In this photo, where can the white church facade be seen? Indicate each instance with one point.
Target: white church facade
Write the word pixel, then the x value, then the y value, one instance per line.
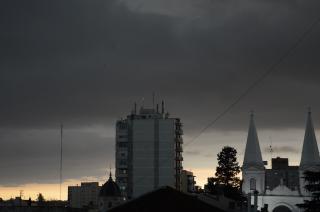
pixel 281 187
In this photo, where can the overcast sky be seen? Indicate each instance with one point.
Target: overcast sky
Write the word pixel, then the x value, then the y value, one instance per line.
pixel 85 63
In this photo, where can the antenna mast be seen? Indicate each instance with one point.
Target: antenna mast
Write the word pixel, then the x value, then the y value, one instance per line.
pixel 61 134
pixel 271 148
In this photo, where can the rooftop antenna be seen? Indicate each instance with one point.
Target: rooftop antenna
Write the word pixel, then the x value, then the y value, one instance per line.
pixel 153 97
pixel 162 108
pixel 61 134
pixel 270 148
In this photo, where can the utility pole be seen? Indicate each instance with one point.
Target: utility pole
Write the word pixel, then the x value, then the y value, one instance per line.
pixel 21 194
pixel 255 201
pixel 249 202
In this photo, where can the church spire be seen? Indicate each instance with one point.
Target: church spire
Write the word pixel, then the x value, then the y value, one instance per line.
pixel 252 157
pixel 110 173
pixel 310 152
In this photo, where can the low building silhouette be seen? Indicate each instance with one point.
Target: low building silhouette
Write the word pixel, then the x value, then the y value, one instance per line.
pixel 187 182
pixel 85 195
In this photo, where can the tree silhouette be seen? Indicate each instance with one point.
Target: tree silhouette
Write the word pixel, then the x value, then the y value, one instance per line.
pixel 313 186
pixel 226 180
pixel 228 168
pixel 40 199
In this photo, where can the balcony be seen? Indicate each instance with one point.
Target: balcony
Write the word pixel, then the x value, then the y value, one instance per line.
pixel 179 166
pixel 179 131
pixel 179 140
pixel 179 149
pixel 178 123
pixel 179 158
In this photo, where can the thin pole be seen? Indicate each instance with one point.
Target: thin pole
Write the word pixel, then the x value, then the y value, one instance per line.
pixel 61 134
pixel 271 150
pixel 153 96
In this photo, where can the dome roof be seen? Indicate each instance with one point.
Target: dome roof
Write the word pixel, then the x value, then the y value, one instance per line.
pixel 110 189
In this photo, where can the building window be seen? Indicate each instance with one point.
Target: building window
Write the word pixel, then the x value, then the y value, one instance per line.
pixel 123 162
pixel 122 125
pixel 123 144
pixel 252 184
pixel 110 205
pixel 122 180
pixel 123 171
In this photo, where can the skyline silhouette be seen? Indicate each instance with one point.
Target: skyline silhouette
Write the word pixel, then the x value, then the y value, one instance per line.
pixel 85 64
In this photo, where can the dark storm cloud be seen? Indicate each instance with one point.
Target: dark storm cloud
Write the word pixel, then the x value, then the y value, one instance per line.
pixel 86 62
pixel 32 156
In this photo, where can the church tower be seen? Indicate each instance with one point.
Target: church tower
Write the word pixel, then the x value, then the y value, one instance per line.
pixel 109 195
pixel 310 159
pixel 253 170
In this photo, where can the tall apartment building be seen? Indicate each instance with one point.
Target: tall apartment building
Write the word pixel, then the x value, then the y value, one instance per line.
pixel 148 151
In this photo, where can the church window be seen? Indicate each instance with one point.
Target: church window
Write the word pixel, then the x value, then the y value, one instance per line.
pixel 252 184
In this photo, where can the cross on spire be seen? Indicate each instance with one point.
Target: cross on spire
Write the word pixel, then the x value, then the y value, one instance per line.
pixel 251 113
pixel 110 174
pixel 309 110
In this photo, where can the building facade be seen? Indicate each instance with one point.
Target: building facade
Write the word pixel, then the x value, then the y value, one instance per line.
pixel 85 195
pixel 282 186
pixel 187 182
pixel 148 151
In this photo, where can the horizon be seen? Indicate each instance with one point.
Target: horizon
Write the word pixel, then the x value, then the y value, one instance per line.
pixel 51 190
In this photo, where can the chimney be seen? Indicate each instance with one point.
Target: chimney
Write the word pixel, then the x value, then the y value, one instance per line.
pixel 162 109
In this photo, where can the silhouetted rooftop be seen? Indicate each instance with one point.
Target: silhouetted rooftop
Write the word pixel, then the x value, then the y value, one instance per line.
pixel 166 199
pixel 110 189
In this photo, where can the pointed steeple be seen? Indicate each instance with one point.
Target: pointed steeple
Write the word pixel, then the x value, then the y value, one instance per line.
pixel 110 174
pixel 252 157
pixel 110 188
pixel 310 152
